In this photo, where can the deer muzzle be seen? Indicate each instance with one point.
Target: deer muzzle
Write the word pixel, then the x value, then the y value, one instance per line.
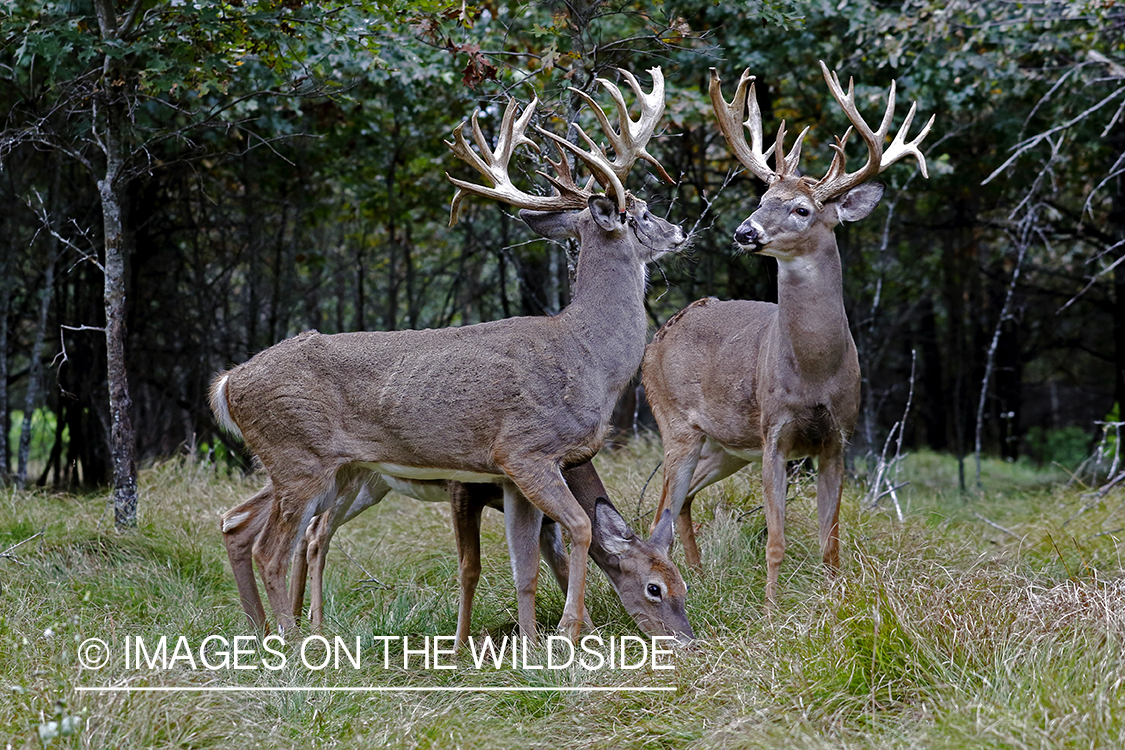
pixel 750 236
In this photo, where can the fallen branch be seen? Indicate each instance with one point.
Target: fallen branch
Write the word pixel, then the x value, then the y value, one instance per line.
pixel 998 527
pixel 7 554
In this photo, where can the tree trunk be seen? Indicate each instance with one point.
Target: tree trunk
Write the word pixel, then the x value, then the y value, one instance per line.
pixel 35 368
pixel 122 444
pixel 111 188
pixel 5 303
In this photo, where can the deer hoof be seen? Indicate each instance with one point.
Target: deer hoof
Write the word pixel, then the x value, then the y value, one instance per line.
pixel 570 627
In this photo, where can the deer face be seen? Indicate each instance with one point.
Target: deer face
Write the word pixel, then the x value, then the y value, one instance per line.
pixel 642 572
pixel 788 223
pixel 652 235
pixel 658 606
pixel 640 233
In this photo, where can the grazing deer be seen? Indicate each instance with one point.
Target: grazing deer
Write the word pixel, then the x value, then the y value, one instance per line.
pixel 642 573
pixel 511 401
pixel 730 382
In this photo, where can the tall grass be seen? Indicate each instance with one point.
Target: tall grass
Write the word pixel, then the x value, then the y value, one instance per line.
pixel 993 620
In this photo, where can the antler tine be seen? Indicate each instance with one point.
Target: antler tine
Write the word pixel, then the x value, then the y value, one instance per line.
pixel 899 148
pixel 565 180
pixel 839 159
pixel 596 160
pixel 729 116
pixel 493 165
pixel 629 142
pixel 837 181
pixel 787 163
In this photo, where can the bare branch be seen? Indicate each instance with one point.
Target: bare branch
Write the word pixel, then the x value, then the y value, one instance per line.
pixel 7 554
pixel 1095 277
pixel 998 527
pixel 1023 146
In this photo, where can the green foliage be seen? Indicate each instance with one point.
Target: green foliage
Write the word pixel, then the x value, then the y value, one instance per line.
pixel 43 428
pixel 1068 447
pixel 288 172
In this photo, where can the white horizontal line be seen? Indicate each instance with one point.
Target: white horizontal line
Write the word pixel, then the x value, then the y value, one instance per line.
pixel 406 689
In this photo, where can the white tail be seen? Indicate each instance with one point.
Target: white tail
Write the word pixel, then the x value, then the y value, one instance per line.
pixel 219 407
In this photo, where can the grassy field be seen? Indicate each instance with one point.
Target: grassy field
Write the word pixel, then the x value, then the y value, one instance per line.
pixel 993 621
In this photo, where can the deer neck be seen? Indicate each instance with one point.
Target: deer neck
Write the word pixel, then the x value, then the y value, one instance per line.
pixel 606 313
pixel 811 316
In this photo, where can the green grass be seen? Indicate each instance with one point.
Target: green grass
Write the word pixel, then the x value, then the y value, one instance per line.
pixel 993 620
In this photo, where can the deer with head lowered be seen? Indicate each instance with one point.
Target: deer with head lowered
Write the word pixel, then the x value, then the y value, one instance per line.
pixel 735 381
pixel 642 573
pixel 511 402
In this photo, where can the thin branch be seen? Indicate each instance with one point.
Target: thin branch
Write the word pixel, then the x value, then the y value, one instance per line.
pixel 875 493
pixel 1005 315
pixel 1115 171
pixel 1026 145
pixel 998 527
pixel 1095 277
pixel 641 499
pixel 7 554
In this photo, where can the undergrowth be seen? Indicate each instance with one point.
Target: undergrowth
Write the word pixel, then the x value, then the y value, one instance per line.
pixel 989 620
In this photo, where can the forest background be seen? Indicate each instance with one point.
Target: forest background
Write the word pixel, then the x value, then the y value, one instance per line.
pixel 185 184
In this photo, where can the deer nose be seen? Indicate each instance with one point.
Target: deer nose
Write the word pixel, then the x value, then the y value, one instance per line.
pixel 746 234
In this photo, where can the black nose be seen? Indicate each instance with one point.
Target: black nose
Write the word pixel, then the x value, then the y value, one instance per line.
pixel 745 235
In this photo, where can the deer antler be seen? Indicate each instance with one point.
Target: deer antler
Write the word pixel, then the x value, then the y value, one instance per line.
pixel 628 145
pixel 836 181
pixel 729 115
pixel 493 165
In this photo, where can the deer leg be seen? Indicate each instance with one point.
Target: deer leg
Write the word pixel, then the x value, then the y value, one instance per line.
pixel 553 551
pixel 319 536
pixel 241 526
pixel 681 454
pixel 714 465
pixel 584 483
pixel 773 490
pixel 466 510
pixel 310 565
pixel 298 573
pixel 522 524
pixel 829 488
pixel 542 484
pixel 275 543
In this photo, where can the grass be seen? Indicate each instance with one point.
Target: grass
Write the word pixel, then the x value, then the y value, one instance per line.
pixel 990 621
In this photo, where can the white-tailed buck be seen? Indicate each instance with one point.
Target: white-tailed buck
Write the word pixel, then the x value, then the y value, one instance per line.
pixel 511 402
pixel 730 382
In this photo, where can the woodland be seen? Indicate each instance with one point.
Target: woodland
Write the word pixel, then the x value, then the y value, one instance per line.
pixel 185 184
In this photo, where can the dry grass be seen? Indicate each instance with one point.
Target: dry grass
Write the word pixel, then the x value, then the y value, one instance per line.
pixel 994 621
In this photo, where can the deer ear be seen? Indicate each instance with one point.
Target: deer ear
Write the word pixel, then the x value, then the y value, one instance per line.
pixel 554 225
pixel 858 202
pixel 662 535
pixel 614 534
pixel 604 211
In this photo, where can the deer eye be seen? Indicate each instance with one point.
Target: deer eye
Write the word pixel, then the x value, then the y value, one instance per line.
pixel 801 211
pixel 654 591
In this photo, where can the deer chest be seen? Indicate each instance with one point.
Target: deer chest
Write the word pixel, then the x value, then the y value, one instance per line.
pixel 811 429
